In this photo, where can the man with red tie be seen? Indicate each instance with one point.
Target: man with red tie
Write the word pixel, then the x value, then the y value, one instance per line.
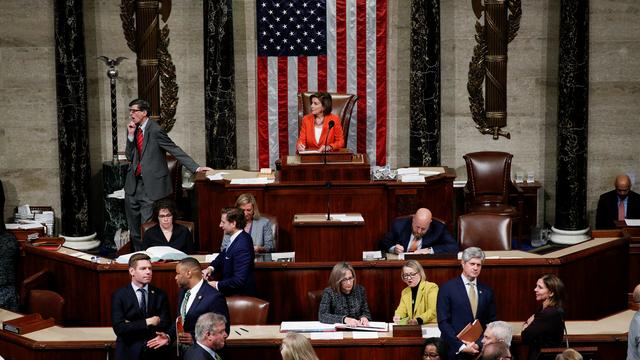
pixel 419 234
pixel 148 175
pixel 618 204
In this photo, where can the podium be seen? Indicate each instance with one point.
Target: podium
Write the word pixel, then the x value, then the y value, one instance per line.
pixel 341 165
pixel 314 238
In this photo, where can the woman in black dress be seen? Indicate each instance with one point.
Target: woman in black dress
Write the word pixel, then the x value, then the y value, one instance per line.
pixel 167 232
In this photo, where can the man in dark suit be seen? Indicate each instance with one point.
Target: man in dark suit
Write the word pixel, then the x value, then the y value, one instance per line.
pixel 139 313
pixel 236 262
pixel 148 175
pixel 419 234
pixel 196 298
pixel 618 204
pixel 462 300
pixel 210 336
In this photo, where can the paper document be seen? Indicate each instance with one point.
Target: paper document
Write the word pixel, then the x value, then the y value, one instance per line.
pixel 413 178
pixel 218 176
pixel 305 326
pixel 118 194
pixel 408 171
pixel 329 335
pixel 373 326
pixel 430 331
pixel 429 173
pixel 632 222
pixel 252 181
pixel 156 253
pixel 209 258
pixel 309 152
pixel 347 218
pixel 364 335
pixel 26 226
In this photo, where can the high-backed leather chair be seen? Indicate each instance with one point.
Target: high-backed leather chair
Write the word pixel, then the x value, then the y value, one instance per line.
pixel 149 224
pixel 38 296
pixel 341 104
pixel 274 229
pixel 247 310
pixel 489 185
pixel 175 174
pixel 486 231
pixel 314 296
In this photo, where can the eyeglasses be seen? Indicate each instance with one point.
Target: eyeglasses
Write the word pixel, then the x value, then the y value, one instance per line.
pixel 134 110
pixel 165 216
pixel 349 279
pixel 408 276
pixel 430 356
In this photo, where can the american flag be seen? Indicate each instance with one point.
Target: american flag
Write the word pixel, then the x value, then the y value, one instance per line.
pixel 321 45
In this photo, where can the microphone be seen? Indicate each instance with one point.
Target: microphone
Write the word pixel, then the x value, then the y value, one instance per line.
pixel 326 140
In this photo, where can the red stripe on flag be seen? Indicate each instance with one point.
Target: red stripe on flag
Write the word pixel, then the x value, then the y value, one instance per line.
pixel 322 73
pixel 283 106
pixel 381 82
pixel 303 85
pixel 263 112
pixel 361 58
pixel 341 46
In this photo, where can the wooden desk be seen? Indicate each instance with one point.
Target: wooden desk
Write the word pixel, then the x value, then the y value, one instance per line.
pixel 57 343
pixel 379 202
pixel 511 274
pixel 313 234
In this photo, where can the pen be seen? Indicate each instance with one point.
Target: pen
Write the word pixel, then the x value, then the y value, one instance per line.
pixel 243 329
pixel 237 332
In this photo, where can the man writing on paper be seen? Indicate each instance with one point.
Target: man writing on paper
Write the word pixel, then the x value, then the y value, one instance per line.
pixel 210 336
pixel 140 314
pixel 419 234
pixel 148 175
pixel 462 300
pixel 196 298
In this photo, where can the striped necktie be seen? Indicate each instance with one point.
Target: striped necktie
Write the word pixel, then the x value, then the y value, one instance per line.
pixel 139 140
pixel 183 308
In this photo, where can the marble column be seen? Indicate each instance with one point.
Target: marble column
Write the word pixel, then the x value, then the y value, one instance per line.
pixel 219 86
pixel 73 125
pixel 424 138
pixel 571 222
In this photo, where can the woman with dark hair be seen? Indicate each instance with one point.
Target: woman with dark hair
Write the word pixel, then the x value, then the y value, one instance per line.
pixel 434 348
pixel 546 327
pixel 344 301
pixel 167 232
pixel 8 259
pixel 315 133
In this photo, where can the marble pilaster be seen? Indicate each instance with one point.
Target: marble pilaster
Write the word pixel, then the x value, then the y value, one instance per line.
pixel 573 115
pixel 219 85
pixel 73 126
pixel 425 83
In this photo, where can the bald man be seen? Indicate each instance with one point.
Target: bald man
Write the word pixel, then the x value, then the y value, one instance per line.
pixel 618 204
pixel 633 341
pixel 419 234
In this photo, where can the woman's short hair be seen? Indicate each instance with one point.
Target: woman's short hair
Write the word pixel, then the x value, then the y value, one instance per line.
pixel 441 346
pixel 325 100
pixel 413 264
pixel 296 346
pixel 165 203
pixel 556 286
pixel 248 198
pixel 337 275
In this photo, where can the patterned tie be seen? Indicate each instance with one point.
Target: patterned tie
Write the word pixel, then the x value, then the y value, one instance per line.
pixel 216 356
pixel 139 140
pixel 621 210
pixel 183 308
pixel 143 301
pixel 473 299
pixel 414 244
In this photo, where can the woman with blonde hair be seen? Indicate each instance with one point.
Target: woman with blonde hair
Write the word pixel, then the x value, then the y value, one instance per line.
pixel 259 227
pixel 297 347
pixel 418 300
pixel 344 301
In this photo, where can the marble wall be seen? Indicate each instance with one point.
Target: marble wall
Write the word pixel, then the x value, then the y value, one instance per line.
pixel 28 135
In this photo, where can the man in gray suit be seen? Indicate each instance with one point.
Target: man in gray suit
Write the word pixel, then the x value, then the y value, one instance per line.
pixel 148 175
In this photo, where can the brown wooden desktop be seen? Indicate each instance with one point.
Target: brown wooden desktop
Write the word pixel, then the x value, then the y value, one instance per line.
pixel 87 286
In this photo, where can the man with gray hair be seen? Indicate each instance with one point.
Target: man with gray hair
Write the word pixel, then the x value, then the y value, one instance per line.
pixel 210 336
pixel 496 351
pixel 633 341
pixel 497 331
pixel 462 300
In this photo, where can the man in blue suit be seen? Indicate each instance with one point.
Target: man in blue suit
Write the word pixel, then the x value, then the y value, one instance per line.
pixel 196 298
pixel 236 262
pixel 139 313
pixel 462 300
pixel 210 337
pixel 419 234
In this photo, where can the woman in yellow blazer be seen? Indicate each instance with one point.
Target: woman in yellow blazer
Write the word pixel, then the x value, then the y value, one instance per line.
pixel 418 300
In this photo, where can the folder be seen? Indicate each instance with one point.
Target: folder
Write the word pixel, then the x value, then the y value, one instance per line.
pixel 471 332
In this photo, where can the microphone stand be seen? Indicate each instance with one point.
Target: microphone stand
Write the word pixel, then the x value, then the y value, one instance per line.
pixel 326 140
pixel 328 184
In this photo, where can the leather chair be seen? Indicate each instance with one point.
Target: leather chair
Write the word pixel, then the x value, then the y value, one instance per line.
pixel 274 229
pixel 38 296
pixel 247 310
pixel 486 231
pixel 314 296
pixel 175 174
pixel 149 224
pixel 341 104
pixel 489 185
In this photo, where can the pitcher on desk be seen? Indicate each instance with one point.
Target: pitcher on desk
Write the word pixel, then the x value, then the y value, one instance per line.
pixel 321 130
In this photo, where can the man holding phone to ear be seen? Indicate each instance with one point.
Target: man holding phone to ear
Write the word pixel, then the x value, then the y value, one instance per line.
pixel 148 174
